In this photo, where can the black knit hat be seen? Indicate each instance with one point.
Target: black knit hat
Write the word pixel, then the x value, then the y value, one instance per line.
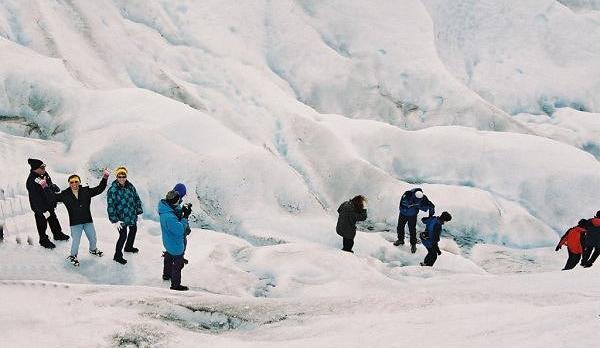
pixel 598 214
pixel 35 163
pixel 445 216
pixel 172 197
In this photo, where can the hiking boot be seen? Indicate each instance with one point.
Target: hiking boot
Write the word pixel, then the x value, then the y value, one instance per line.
pixel 413 248
pixel 166 277
pixel 422 264
pixel 96 252
pixel 120 260
pixel 399 242
pixel 46 243
pixel 61 236
pixel 73 260
pixel 179 288
pixel 131 250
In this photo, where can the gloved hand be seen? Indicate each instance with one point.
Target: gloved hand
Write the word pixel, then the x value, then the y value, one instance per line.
pixel 46 214
pixel 118 225
pixel 55 188
pixel 105 173
pixel 558 247
pixel 42 182
pixel 186 210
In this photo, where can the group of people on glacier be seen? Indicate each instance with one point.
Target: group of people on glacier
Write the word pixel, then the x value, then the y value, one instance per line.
pixel 123 207
pixel 411 202
pixel 583 242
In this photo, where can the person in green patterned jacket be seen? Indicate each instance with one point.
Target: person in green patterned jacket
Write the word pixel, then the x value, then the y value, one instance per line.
pixel 123 206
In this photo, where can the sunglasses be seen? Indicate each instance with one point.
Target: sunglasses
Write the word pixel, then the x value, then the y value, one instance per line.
pixel 121 176
pixel 73 181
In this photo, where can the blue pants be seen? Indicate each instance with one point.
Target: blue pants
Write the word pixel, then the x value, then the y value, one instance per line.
pixel 90 233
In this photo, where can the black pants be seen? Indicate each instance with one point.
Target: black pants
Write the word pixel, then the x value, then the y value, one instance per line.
pixel 1 231
pixel 412 228
pixel 348 243
pixel 172 268
pixel 125 239
pixel 431 256
pixel 42 224
pixel 590 254
pixel 572 261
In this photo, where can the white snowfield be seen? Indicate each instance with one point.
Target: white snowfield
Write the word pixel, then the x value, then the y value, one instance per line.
pixel 275 112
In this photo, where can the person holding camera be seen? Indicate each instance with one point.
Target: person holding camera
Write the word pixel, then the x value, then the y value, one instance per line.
pixel 173 228
pixel 431 236
pixel 42 205
pixel 123 205
pixel 350 212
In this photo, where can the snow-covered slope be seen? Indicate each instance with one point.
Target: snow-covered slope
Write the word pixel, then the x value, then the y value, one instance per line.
pixel 273 113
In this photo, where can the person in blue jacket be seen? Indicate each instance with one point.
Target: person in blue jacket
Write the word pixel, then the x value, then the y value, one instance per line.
pixel 431 236
pixel 411 202
pixel 173 234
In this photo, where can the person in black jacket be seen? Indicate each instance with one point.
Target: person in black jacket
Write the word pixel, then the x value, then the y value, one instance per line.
pixel 42 206
pixel 77 200
pixel 350 212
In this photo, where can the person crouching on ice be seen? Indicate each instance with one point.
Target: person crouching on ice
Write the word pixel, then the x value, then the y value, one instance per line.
pixel 173 234
pixel 350 212
pixel 431 236
pixel 573 240
pixel 77 199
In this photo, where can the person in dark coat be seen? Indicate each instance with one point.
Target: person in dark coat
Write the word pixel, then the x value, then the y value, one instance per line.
pixel 411 202
pixel 42 206
pixel 431 236
pixel 591 242
pixel 173 233
pixel 573 240
pixel 350 212
pixel 77 199
pixel 123 205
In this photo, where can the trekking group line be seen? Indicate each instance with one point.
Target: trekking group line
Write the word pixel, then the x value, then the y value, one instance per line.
pixel 411 202
pixel 124 206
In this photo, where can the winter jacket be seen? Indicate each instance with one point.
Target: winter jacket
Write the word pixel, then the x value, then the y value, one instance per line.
pixel 123 203
pixel 410 205
pixel 39 201
pixel 79 208
pixel 348 217
pixel 572 239
pixel 592 236
pixel 433 230
pixel 172 228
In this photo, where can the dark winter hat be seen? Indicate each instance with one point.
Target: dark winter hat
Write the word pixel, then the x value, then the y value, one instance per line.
pixel 445 216
pixel 35 163
pixel 172 197
pixel 598 214
pixel 582 223
pixel 180 189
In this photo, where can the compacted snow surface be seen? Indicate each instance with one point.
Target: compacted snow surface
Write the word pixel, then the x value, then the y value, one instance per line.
pixel 273 113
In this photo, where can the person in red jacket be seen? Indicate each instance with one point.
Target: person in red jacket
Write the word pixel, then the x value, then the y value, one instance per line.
pixel 592 241
pixel 572 239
